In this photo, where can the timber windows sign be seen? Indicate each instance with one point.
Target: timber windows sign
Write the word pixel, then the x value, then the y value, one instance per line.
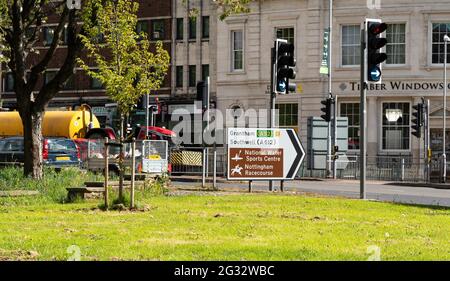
pixel 396 86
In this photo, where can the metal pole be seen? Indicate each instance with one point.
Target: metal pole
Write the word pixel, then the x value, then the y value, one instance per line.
pixel 335 137
pixel 121 158
pixel 427 132
pixel 147 113
pixel 133 172
pixel 215 168
pixel 203 170
pixel 362 130
pixel 425 141
pixel 403 169
pixel 273 97
pixel 106 173
pixel 331 129
pixel 444 157
pixel 249 186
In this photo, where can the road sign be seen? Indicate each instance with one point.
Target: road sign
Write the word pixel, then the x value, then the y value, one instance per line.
pixel 263 154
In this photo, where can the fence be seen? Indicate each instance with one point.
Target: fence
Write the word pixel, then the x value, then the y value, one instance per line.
pixel 384 168
pixel 188 161
pixel 151 156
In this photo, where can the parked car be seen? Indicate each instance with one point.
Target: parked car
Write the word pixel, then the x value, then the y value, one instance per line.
pixel 56 152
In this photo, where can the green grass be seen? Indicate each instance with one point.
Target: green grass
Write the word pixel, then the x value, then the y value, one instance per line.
pixel 228 227
pixel 52 188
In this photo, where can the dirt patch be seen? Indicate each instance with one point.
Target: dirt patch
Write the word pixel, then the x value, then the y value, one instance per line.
pixel 18 255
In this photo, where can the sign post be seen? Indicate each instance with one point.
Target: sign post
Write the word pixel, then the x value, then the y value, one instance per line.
pixel 263 154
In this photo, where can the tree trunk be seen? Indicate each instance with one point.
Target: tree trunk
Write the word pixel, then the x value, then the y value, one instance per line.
pixel 32 133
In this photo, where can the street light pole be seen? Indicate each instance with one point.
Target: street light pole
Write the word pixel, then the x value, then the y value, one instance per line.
pixel 444 157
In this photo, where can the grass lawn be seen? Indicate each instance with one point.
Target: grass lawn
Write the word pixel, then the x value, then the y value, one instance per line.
pixel 226 227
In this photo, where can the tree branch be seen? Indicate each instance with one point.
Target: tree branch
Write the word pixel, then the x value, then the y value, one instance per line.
pixel 42 65
pixel 73 49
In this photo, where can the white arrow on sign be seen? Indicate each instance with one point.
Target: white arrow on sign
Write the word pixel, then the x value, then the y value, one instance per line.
pixel 298 156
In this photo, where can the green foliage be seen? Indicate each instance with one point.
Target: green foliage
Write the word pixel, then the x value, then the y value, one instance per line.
pixel 126 66
pixel 4 21
pixel 228 7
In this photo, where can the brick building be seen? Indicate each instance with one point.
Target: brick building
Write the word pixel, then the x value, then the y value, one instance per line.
pixel 187 47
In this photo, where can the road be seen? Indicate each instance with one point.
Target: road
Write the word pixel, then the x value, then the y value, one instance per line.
pixel 350 189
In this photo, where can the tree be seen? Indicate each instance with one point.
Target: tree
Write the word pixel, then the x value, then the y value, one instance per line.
pixel 20 25
pixel 229 7
pixel 126 66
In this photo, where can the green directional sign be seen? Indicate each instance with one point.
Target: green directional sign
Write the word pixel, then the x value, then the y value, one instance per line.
pixel 326 39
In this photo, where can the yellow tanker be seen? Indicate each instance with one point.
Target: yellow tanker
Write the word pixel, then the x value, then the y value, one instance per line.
pixel 68 124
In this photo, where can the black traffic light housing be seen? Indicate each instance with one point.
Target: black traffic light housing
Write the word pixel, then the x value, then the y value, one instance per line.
pixel 374 43
pixel 327 109
pixel 284 67
pixel 418 120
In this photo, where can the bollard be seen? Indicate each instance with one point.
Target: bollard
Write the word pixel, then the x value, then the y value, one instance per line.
pixel 403 169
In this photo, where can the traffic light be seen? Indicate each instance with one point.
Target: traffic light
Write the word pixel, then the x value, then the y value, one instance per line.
pixel 202 93
pixel 374 43
pixel 418 120
pixel 284 67
pixel 327 109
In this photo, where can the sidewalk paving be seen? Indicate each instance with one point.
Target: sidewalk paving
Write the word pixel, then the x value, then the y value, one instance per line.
pixel 198 179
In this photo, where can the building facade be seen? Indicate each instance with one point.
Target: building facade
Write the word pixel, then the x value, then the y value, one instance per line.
pixel 414 67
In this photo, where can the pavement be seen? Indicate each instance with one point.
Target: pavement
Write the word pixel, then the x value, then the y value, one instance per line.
pixel 415 193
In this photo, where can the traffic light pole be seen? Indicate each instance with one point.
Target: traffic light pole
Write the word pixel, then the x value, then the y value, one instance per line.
pixel 273 97
pixel 362 121
pixel 426 139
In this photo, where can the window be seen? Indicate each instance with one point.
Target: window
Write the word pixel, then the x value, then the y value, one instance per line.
pixel 48 36
pixel 179 76
pixel 158 29
pixel 142 27
pixel 237 50
pixel 288 115
pixel 96 84
pixel 351 44
pixel 396 129
pixel 192 75
pixel 9 82
pixel 205 27
pixel 205 71
pixel 48 76
pixel 180 29
pixel 192 28
pixel 70 83
pixel 439 30
pixel 396 46
pixel 351 111
pixel 286 34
